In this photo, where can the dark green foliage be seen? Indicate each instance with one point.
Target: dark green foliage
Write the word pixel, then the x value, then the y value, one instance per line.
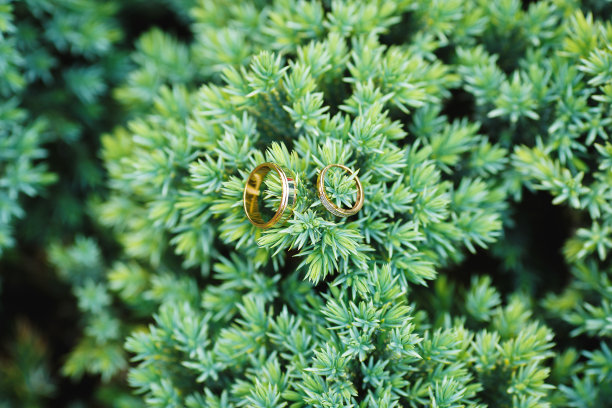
pixel 99 351
pixel 454 112
pixel 26 379
pixel 327 90
pixel 57 64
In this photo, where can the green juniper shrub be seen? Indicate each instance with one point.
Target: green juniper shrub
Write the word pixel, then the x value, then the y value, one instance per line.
pixel 59 62
pixel 327 312
pixel 363 311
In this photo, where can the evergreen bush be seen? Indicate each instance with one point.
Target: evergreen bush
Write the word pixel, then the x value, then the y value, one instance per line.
pixel 57 62
pixel 462 117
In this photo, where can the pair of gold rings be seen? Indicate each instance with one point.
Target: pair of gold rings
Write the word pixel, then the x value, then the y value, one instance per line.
pixel 252 191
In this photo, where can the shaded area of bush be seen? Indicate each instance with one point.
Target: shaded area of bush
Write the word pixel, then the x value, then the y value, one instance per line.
pixel 476 273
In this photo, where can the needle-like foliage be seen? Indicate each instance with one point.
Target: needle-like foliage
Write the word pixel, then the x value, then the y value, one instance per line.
pixel 454 116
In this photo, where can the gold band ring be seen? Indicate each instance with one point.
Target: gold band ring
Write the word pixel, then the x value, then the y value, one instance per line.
pixel 252 190
pixel 332 208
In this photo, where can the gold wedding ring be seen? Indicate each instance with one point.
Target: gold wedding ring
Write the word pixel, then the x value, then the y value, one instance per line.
pixel 332 208
pixel 252 191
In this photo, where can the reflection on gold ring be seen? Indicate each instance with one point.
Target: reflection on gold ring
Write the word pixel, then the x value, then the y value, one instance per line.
pixel 252 190
pixel 332 208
